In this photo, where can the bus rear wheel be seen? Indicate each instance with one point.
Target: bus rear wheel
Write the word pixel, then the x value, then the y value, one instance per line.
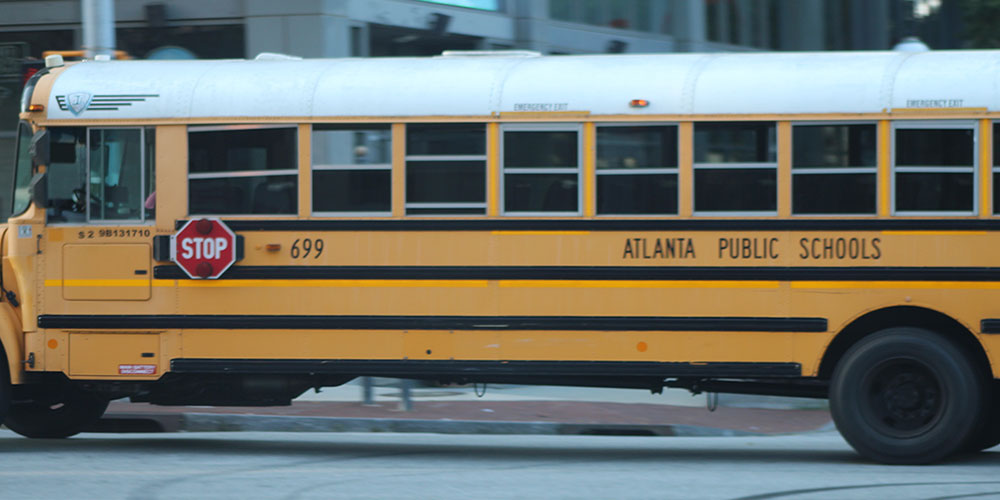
pixel 988 434
pixel 907 396
pixel 56 418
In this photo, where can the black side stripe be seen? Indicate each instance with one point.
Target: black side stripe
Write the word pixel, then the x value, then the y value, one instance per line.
pixel 990 326
pixel 600 273
pixel 613 225
pixel 614 369
pixel 549 323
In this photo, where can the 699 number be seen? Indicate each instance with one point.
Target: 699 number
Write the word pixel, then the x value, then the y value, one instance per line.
pixel 302 248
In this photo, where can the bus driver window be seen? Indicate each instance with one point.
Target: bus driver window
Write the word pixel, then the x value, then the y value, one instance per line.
pixel 99 174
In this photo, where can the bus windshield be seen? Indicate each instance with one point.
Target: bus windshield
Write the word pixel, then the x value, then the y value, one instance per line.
pixel 22 170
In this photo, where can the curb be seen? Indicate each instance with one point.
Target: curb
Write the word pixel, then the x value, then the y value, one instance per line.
pixel 216 422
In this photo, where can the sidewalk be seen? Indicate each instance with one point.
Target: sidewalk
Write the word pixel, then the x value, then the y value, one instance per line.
pixel 504 409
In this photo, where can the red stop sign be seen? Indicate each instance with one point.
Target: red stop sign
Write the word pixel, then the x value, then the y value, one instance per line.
pixel 204 248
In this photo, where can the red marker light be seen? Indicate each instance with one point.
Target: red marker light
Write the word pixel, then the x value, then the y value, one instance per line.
pixel 204 269
pixel 638 103
pixel 28 73
pixel 203 226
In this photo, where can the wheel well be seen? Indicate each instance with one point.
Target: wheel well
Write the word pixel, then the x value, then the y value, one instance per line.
pixel 902 316
pixel 11 343
pixel 5 364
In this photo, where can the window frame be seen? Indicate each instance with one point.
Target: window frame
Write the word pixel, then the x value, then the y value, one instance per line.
pixel 347 167
pixel 833 170
pixel 695 166
pixel 407 158
pixel 576 127
pixel 994 168
pixel 973 169
pixel 637 171
pixel 243 173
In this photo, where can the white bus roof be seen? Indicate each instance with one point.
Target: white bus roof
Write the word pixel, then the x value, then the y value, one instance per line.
pixel 468 85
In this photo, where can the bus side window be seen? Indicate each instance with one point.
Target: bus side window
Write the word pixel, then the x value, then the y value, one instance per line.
pixel 637 170
pixel 735 168
pixel 116 174
pixel 833 169
pixel 446 169
pixel 934 166
pixel 242 170
pixel 352 169
pixel 541 169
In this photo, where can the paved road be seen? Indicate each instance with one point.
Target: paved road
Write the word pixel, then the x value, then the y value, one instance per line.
pixel 382 466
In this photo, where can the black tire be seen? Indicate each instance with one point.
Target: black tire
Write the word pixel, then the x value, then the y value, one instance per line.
pixel 69 415
pixel 907 396
pixel 988 435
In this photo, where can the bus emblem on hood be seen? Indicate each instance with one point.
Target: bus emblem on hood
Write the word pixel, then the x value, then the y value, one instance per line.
pixel 78 101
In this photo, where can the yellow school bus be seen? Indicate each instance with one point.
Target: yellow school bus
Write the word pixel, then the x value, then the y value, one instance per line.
pixel 815 225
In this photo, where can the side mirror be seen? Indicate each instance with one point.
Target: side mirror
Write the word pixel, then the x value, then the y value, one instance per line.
pixel 39 190
pixel 39 148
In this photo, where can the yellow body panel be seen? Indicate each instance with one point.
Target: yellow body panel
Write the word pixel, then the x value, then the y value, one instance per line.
pixel 685 174
pixel 398 174
pixel 171 183
pixel 492 169
pixel 985 169
pixel 102 355
pixel 784 169
pixel 884 168
pixel 838 301
pixel 305 171
pixel 106 271
pixel 589 182
pixel 490 346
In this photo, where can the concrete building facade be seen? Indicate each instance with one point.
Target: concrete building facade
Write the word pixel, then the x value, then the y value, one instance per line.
pixel 343 28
